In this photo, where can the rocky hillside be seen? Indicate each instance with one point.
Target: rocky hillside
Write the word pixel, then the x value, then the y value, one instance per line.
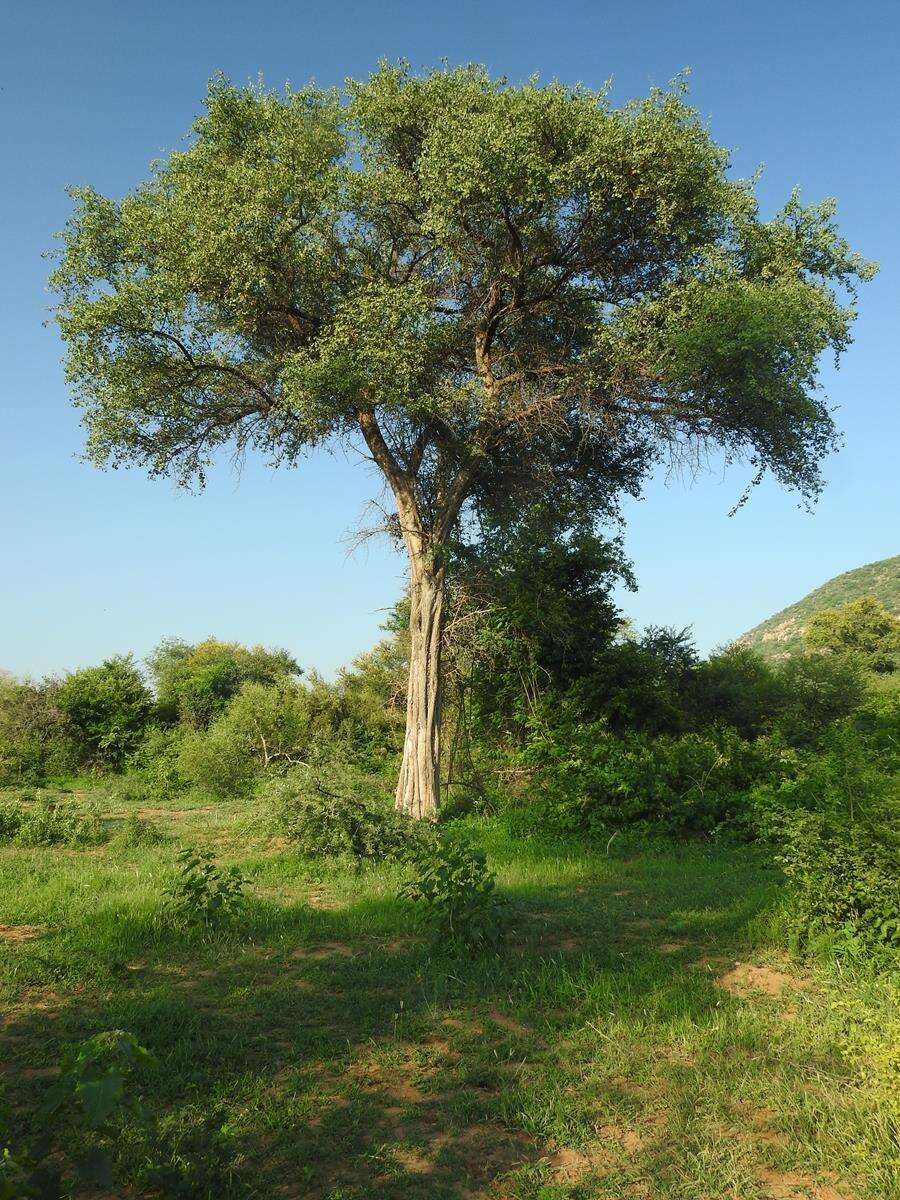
pixel 782 635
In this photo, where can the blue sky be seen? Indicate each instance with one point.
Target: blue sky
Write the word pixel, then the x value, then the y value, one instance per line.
pixel 95 563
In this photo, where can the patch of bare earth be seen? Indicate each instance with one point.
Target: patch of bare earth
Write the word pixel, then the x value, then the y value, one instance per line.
pixel 464 1026
pixel 21 933
pixel 744 979
pixel 671 947
pixel 510 1024
pixel 628 1140
pixel 615 1144
pixel 569 1166
pixel 479 1154
pixel 471 1159
pixel 760 1122
pixel 324 950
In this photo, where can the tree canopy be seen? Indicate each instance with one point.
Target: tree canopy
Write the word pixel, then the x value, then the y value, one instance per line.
pixel 490 289
pixel 861 627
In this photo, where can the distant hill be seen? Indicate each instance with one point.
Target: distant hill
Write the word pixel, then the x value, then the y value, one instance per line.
pixel 782 635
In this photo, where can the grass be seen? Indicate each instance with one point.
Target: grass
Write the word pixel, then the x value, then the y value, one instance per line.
pixel 642 1035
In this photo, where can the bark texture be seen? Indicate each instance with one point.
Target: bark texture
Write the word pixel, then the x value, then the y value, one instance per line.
pixel 418 786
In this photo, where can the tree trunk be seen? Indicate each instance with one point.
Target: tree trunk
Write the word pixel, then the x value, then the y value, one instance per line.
pixel 418 788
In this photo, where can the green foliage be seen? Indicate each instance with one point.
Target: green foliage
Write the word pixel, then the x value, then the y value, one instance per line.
pixel 506 291
pixel 842 878
pixel 50 822
pixel 863 628
pixel 21 1178
pixel 781 635
pixel 203 895
pixel 193 684
pixel 834 824
pixel 154 774
pixel 36 742
pixel 95 1073
pixel 334 810
pixel 456 894
pixel 736 688
pixel 817 690
pixel 870 1041
pixel 590 780
pixel 533 608
pixel 107 709
pixel 370 698
pixel 135 831
pixel 263 730
pixel 95 1095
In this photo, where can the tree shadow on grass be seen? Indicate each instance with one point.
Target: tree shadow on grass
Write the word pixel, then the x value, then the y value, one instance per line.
pixel 316 1052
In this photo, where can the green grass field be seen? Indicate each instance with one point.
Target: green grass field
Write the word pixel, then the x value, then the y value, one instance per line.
pixel 643 1035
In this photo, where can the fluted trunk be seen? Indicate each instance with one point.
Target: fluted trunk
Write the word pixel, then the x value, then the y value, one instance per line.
pixel 418 788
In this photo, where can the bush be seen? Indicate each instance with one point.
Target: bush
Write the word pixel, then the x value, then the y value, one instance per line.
pixel 817 690
pixel 107 709
pixel 336 811
pixel 155 771
pixel 738 689
pixel 456 894
pixel 264 730
pixel 834 824
pixel 842 879
pixel 49 822
pixel 195 683
pixel 589 780
pixel 862 628
pixel 134 831
pixel 203 895
pixel 35 737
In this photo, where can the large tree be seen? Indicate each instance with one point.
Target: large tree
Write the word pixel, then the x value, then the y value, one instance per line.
pixel 493 290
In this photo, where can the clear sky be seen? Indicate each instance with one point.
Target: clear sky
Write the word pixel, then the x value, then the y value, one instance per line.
pixel 95 563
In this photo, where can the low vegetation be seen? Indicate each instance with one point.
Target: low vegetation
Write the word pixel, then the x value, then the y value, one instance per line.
pixel 650 950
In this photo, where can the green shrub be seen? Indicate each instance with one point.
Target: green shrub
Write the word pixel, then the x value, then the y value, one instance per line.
pixel 203 895
pixel 862 628
pixel 336 810
pixel 195 683
pixel 264 730
pixel 818 689
pixel 842 879
pixel 737 689
pixel 36 741
pixel 11 815
pixel 834 825
pixel 135 831
pixel 97 1091
pixel 456 894
pixel 154 771
pixel 590 780
pixel 50 822
pixel 107 709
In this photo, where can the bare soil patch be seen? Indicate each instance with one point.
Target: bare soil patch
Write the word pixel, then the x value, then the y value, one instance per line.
pixel 324 950
pixel 744 979
pixel 569 1166
pixel 509 1023
pixel 21 933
